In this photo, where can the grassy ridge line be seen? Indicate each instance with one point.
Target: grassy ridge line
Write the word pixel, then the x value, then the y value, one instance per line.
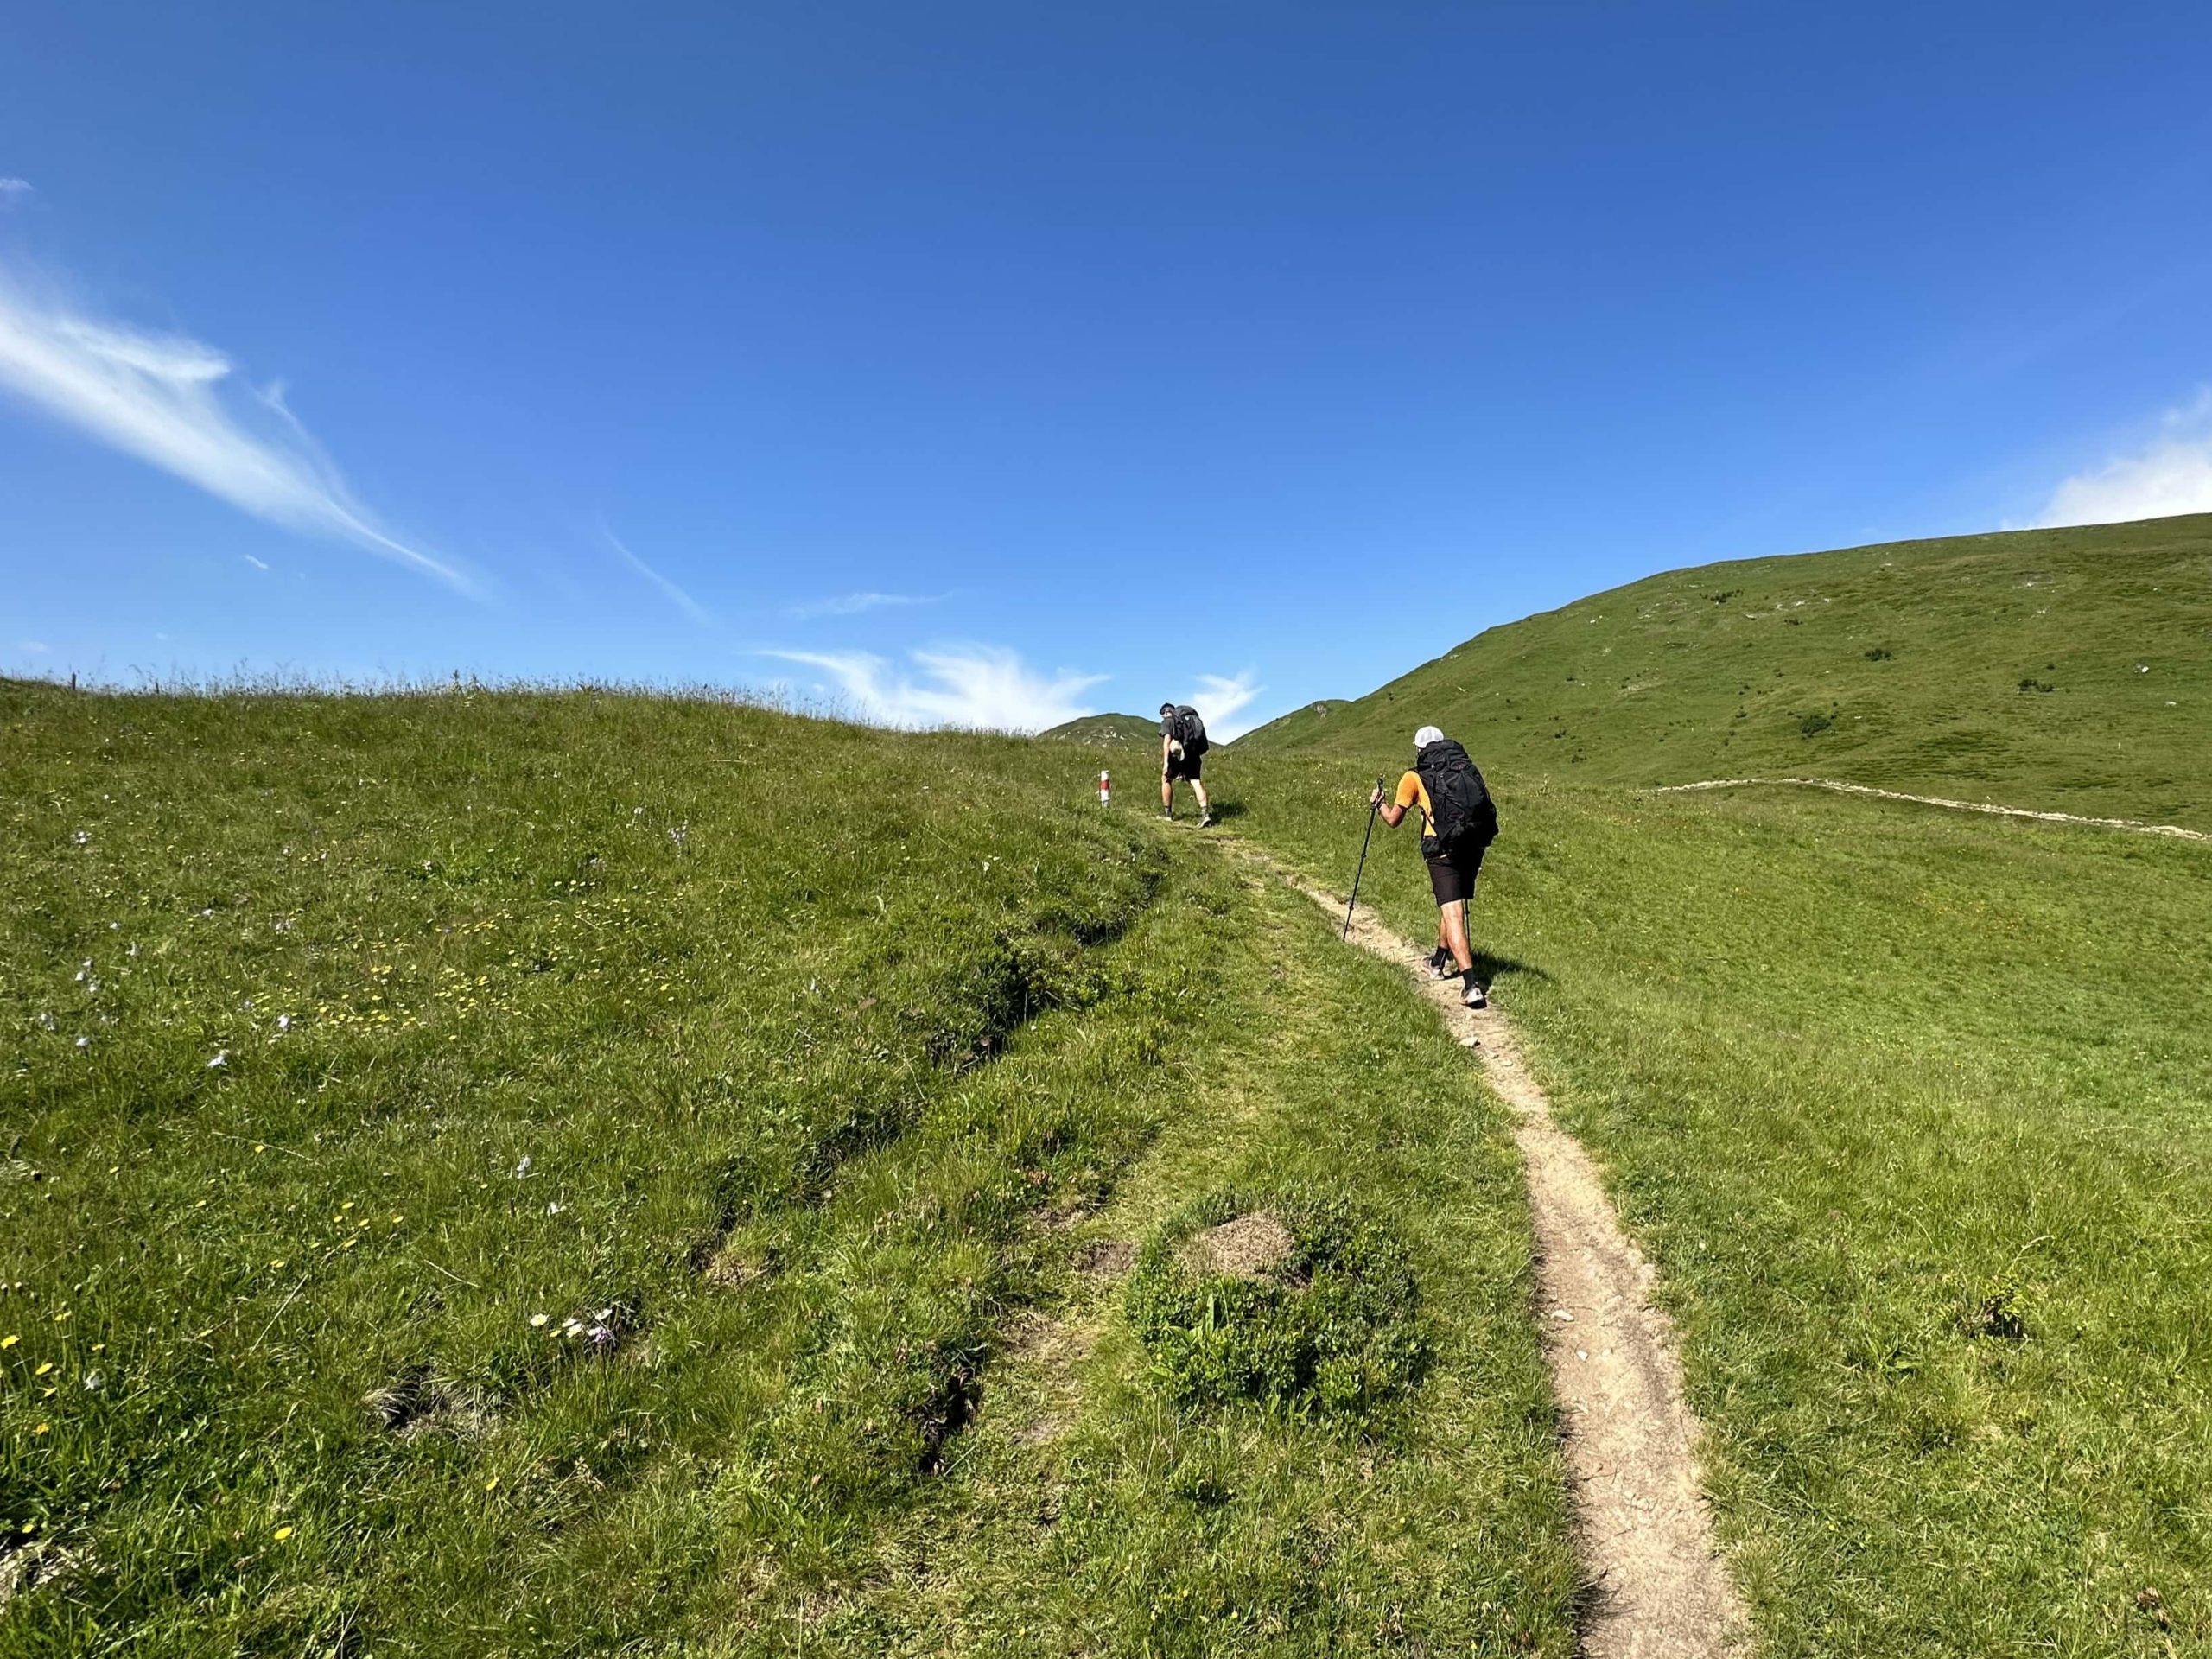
pixel 2066 669
pixel 762 1061
pixel 1910 1110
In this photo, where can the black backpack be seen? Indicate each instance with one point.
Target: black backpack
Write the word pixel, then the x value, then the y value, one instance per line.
pixel 1462 813
pixel 1191 731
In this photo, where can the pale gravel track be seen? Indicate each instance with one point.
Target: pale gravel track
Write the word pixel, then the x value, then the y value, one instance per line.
pixel 1658 1586
pixel 2135 826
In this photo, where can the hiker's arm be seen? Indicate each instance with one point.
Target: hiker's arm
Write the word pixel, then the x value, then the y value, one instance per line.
pixel 1391 813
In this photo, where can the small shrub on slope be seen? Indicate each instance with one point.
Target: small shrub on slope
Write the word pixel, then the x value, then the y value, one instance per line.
pixel 1331 1323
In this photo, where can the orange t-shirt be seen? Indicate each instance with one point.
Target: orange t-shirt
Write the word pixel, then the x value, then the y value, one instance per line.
pixel 1414 793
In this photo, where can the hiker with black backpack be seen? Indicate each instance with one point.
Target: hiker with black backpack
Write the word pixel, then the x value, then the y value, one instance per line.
pixel 1183 746
pixel 1458 821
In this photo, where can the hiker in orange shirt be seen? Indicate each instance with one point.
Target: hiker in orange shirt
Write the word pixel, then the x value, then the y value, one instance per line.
pixel 1458 821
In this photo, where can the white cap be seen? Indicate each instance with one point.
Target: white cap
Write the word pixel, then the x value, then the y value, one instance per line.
pixel 1426 735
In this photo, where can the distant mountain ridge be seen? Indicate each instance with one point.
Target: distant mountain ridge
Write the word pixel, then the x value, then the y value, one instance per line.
pixel 1110 731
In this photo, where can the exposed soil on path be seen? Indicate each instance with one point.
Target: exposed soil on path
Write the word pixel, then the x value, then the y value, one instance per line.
pixel 2135 825
pixel 1658 1586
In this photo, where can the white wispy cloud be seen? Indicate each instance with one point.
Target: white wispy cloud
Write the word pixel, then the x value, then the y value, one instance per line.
pixel 13 191
pixel 255 562
pixel 2172 475
pixel 1221 698
pixel 980 687
pixel 37 647
pixel 684 602
pixel 161 399
pixel 854 604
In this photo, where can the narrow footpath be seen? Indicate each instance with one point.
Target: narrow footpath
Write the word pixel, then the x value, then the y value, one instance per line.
pixel 2134 826
pixel 1658 1588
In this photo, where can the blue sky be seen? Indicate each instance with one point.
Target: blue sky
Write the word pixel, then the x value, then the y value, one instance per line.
pixel 994 362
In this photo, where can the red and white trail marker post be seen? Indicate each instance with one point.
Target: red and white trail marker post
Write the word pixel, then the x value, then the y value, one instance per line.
pixel 1105 789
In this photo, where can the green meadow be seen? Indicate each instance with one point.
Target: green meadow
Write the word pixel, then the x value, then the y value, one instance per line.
pixel 583 1172
pixel 569 1173
pixel 1913 1111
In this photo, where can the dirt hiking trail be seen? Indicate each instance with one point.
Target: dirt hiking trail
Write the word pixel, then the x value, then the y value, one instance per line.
pixel 1658 1588
pixel 2136 826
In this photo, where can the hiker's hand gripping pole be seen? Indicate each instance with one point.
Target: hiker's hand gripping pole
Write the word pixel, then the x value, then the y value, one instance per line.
pixel 1373 806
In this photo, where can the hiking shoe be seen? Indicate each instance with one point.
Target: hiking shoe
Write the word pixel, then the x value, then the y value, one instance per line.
pixel 1473 996
pixel 1205 819
pixel 1440 965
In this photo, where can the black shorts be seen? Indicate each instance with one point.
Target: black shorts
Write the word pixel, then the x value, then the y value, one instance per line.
pixel 1184 766
pixel 1451 873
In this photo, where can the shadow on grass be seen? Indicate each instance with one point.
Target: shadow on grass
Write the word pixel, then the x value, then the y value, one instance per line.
pixel 1489 967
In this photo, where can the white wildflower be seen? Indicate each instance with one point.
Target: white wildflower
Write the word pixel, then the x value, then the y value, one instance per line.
pixel 555 1208
pixel 539 1318
pixel 521 1169
pixel 283 1023
pixel 222 1057
pixel 83 1042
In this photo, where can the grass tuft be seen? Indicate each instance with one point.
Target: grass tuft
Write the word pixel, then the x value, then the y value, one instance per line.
pixel 1328 1322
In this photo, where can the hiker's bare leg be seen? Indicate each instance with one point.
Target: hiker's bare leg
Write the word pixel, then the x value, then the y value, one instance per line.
pixel 1452 923
pixel 1167 793
pixel 1199 790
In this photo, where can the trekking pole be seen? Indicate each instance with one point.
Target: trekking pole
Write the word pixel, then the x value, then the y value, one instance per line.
pixel 1374 806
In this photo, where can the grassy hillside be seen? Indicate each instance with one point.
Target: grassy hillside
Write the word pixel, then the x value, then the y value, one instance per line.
pixel 1912 1108
pixel 483 1174
pixel 2066 669
pixel 1107 731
